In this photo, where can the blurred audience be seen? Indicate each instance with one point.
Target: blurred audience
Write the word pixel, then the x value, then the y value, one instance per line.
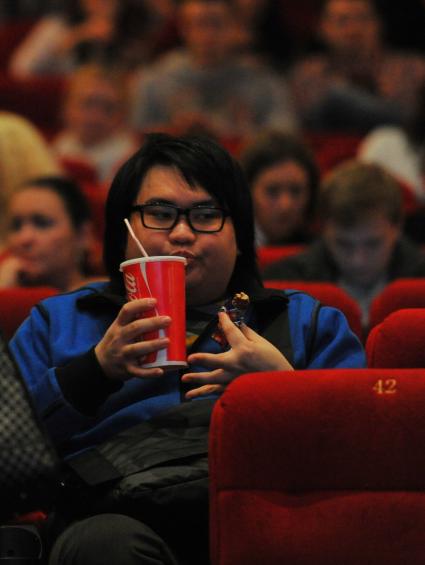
pixel 259 31
pixel 283 178
pixel 205 86
pixel 362 247
pixel 24 154
pixel 96 130
pixel 401 150
pixel 10 9
pixel 106 31
pixel 357 82
pixel 48 235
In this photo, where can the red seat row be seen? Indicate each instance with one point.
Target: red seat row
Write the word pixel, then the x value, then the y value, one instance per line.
pixel 318 467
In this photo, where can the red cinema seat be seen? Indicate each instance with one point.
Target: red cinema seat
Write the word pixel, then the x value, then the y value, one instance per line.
pixel 12 33
pixel 16 303
pixel 401 293
pixel 329 294
pixel 267 254
pixel 39 99
pixel 319 467
pixel 398 341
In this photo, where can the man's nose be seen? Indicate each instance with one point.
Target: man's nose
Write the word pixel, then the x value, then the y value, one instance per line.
pixel 358 256
pixel 182 230
pixel 284 201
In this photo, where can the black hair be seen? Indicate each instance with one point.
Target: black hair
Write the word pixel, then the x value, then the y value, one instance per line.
pixel 273 147
pixel 76 204
pixel 201 161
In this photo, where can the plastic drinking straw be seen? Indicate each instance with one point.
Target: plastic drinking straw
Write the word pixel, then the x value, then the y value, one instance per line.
pixel 133 235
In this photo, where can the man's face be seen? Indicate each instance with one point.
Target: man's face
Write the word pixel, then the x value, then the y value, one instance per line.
pixel 281 195
pixel 206 30
pixel 210 257
pixel 348 26
pixel 362 252
pixel 94 111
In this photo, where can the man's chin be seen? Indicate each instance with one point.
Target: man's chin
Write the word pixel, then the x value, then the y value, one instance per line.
pixel 364 282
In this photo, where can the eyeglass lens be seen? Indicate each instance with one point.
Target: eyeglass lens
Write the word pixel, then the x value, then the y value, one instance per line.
pixel 165 217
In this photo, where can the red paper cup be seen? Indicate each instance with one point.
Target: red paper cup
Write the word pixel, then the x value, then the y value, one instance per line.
pixel 162 278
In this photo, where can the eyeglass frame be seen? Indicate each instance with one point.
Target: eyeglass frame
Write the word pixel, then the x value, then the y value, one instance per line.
pixel 180 212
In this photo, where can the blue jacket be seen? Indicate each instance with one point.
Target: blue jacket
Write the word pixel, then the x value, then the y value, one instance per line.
pixel 81 407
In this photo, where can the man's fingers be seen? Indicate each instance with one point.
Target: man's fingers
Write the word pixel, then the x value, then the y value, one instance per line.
pixel 230 330
pixel 208 377
pixel 203 391
pixel 132 309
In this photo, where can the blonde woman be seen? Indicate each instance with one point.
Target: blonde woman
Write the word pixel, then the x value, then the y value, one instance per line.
pixel 24 154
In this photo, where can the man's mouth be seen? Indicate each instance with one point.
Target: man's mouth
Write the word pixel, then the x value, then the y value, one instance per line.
pixel 188 255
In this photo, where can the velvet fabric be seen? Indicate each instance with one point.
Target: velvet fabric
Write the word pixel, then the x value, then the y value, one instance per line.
pixel 16 303
pixel 401 293
pixel 318 467
pixel 398 341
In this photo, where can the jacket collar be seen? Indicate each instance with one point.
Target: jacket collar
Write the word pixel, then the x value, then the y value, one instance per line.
pixel 105 300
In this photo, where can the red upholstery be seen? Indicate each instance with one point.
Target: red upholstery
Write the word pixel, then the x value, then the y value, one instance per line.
pixel 401 293
pixel 398 341
pixel 11 35
pixel 332 148
pixel 16 303
pixel 96 196
pixel 270 253
pixel 39 99
pixel 80 171
pixel 328 293
pixel 319 467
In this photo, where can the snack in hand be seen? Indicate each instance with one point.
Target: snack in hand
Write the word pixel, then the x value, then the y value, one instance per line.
pixel 236 309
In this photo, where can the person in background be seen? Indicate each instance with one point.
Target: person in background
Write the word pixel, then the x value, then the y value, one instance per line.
pixel 80 352
pixel 283 177
pixel 362 247
pixel 83 31
pixel 358 82
pixel 49 235
pixel 205 87
pixel 96 128
pixel 401 150
pixel 24 154
pixel 260 32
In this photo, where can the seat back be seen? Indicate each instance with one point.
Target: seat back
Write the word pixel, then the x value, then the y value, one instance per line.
pixel 267 254
pixel 317 467
pixel 329 294
pixel 16 303
pixel 401 293
pixel 398 341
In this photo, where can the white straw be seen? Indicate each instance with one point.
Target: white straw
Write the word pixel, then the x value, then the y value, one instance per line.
pixel 133 235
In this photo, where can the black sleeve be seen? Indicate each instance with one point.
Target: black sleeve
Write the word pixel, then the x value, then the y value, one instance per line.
pixel 84 384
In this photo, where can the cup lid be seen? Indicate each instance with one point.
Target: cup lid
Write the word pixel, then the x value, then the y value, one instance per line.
pixel 155 258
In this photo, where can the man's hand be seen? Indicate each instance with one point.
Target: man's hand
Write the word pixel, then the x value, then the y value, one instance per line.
pixel 249 353
pixel 121 350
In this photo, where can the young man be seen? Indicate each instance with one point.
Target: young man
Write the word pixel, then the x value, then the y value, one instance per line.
pixel 205 86
pixel 95 130
pixel 357 82
pixel 80 352
pixel 362 247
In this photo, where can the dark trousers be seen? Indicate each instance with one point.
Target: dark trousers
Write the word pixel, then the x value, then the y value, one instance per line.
pixel 115 539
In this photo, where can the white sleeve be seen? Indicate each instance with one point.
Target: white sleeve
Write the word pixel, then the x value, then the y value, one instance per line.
pixel 38 53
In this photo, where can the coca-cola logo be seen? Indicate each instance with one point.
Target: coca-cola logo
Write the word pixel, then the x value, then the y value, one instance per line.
pixel 131 286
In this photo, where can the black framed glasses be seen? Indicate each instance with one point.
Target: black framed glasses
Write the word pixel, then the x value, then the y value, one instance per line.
pixel 203 219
